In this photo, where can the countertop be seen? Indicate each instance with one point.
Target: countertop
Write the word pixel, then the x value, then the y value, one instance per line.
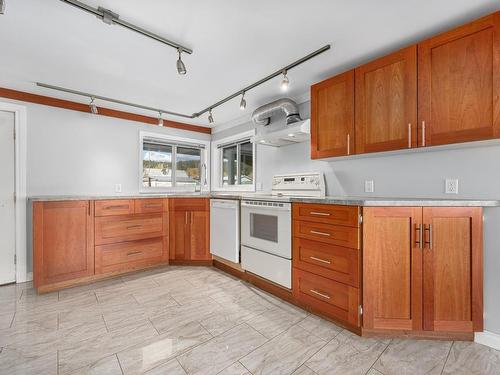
pixel 340 200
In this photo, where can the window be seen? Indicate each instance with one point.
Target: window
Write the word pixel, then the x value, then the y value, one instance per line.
pixel 168 164
pixel 234 163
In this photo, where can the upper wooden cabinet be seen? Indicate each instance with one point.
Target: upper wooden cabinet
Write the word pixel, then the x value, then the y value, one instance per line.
pixel 459 84
pixel 332 116
pixel 63 241
pixel 386 103
pixel 422 269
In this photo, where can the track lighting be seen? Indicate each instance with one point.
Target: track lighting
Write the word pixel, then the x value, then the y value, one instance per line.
pixel 2 6
pixel 210 117
pixel 285 82
pixel 93 107
pixel 160 119
pixel 243 102
pixel 181 68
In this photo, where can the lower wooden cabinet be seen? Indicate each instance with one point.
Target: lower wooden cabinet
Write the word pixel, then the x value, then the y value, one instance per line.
pixel 63 241
pixel 422 269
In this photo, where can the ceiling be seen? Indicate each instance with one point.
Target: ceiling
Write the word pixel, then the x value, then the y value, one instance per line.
pixel 235 43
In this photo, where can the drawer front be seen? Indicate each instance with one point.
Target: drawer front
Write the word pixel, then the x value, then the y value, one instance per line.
pixel 327 296
pixel 127 228
pixel 327 214
pixel 332 234
pixel 189 204
pixel 114 207
pixel 128 255
pixel 148 206
pixel 334 262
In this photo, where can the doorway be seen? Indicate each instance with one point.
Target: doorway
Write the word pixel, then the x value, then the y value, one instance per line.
pixel 7 198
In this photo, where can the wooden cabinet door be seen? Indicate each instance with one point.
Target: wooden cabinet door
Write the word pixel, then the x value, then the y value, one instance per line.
pixel 392 268
pixel 332 116
pixel 199 232
pixel 453 268
pixel 179 235
pixel 459 84
pixel 63 241
pixel 386 103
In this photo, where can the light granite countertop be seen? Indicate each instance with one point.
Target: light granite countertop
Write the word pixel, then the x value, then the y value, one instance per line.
pixel 340 200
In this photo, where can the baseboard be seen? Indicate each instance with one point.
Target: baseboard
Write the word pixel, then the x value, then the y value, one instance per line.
pixel 488 338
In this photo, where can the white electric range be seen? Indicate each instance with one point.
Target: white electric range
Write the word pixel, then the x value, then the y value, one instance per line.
pixel 266 226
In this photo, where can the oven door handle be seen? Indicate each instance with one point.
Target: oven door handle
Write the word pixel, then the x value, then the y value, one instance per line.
pixel 252 208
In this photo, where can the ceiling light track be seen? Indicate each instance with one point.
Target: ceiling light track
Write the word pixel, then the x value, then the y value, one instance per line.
pixel 111 18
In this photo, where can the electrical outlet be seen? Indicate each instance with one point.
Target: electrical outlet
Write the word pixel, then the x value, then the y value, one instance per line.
pixel 369 186
pixel 451 186
pixel 118 188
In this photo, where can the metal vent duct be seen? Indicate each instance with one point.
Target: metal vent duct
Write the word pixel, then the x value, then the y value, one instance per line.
pixel 262 115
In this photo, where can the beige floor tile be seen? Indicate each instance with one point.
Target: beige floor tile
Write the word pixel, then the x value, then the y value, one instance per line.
pixel 160 349
pixel 303 370
pixel 235 369
pixel 15 362
pixel 105 366
pixel 284 353
pixel 320 327
pixel 374 372
pixel 413 357
pixel 468 358
pixel 347 354
pixel 222 351
pixel 170 368
pixel 6 319
pixel 273 322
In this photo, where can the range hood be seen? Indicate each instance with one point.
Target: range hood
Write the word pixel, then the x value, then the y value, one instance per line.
pixel 295 133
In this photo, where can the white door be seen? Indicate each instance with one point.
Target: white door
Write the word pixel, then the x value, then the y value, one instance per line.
pixel 7 205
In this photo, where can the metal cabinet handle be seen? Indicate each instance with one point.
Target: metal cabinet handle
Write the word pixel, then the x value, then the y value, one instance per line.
pixel 319 213
pixel 320 233
pixel 186 218
pixel 423 133
pixel 320 260
pixel 409 135
pixel 419 228
pixel 152 205
pixel 429 229
pixel 134 253
pixel 116 207
pixel 319 293
pixel 134 226
pixel 348 144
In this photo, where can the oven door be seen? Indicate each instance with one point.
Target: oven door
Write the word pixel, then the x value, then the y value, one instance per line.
pixel 266 226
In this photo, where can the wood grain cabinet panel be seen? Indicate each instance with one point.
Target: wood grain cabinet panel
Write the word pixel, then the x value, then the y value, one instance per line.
pixel 199 233
pixel 453 269
pixel 115 229
pixel 392 268
pixel 327 214
pixel 114 207
pixel 386 103
pixel 333 234
pixel 149 205
pixel 332 116
pixel 459 84
pixel 179 235
pixel 63 241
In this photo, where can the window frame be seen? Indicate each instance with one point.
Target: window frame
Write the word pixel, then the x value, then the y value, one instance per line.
pixel 217 166
pixel 186 142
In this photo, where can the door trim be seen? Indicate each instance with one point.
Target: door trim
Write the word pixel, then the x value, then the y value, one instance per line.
pixel 20 116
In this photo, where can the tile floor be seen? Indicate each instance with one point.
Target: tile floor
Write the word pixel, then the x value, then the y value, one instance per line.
pixel 196 320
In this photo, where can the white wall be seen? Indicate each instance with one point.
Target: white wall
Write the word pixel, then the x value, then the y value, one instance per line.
pixel 418 174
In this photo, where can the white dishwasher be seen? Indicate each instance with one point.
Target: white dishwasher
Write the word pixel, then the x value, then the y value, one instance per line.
pixel 225 229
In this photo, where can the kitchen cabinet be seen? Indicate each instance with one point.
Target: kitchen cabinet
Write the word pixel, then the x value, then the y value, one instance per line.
pixel 386 102
pixel 459 84
pixel 332 116
pixel 189 229
pixel 63 241
pixel 422 269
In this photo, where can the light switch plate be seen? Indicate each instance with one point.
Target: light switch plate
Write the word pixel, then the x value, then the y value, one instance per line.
pixel 369 186
pixel 118 188
pixel 451 186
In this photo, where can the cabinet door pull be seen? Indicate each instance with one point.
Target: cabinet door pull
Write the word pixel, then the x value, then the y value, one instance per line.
pixel 319 213
pixel 429 229
pixel 134 226
pixel 151 205
pixel 124 206
pixel 186 218
pixel 423 133
pixel 348 144
pixel 320 233
pixel 320 260
pixel 409 135
pixel 319 293
pixel 420 239
pixel 134 253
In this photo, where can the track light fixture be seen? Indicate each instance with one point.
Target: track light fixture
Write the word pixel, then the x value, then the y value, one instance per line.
pixel 181 68
pixel 2 6
pixel 210 117
pixel 93 107
pixel 285 82
pixel 160 119
pixel 243 102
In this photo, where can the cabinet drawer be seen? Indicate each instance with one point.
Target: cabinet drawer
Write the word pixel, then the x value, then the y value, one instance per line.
pixel 148 206
pixel 327 213
pixel 189 204
pixel 332 234
pixel 128 255
pixel 327 296
pixel 334 262
pixel 114 207
pixel 116 229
